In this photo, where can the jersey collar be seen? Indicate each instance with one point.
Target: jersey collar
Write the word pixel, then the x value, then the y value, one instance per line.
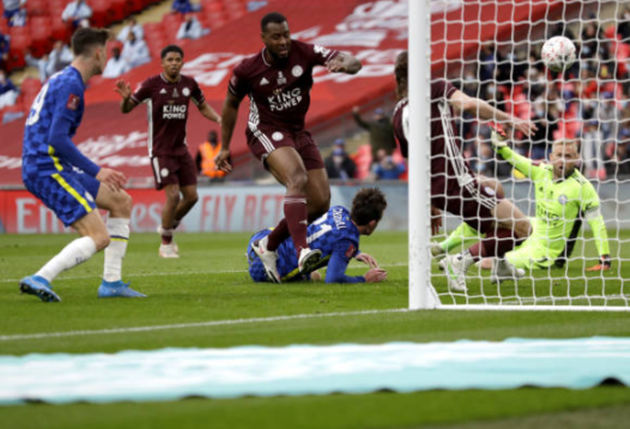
pixel 78 73
pixel 262 54
pixel 179 78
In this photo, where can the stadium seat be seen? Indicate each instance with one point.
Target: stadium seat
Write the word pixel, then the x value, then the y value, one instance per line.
pixel 120 10
pixel 37 8
pixel 102 13
pixel 60 30
pixel 41 35
pixel 4 27
pixel 20 41
pixel 171 23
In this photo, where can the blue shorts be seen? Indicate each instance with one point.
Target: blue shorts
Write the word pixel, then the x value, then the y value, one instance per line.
pixel 256 267
pixel 70 195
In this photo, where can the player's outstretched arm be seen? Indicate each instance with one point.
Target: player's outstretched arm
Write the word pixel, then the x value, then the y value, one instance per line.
pixel 344 63
pixel 208 112
pixel 522 164
pixel 590 207
pixel 483 110
pixel 124 90
pixel 229 115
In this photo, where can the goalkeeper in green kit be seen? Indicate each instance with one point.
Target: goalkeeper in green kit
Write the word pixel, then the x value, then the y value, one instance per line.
pixel 564 197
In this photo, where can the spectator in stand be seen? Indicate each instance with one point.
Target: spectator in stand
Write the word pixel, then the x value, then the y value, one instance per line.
pixel 191 28
pixel 60 57
pixel 255 5
pixel 116 65
pixel 76 11
pixel 11 7
pixel 380 129
pixel 8 91
pixel 184 6
pixel 208 150
pixel 385 168
pixel 592 150
pixel 338 164
pixel 619 164
pixel 132 25
pixel 20 17
pixel 135 51
pixel 4 50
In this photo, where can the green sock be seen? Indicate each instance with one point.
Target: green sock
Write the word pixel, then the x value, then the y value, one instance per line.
pixel 457 237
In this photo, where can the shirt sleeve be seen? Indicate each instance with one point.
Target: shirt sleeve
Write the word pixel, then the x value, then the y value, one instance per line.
pixel 319 55
pixel 589 205
pixel 343 251
pixel 64 119
pixel 522 164
pixel 197 94
pixel 239 86
pixel 142 93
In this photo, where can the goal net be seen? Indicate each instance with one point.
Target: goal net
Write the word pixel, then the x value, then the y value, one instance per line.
pixel 578 209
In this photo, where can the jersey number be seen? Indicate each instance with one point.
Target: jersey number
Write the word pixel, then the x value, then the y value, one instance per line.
pixel 36 108
pixel 323 229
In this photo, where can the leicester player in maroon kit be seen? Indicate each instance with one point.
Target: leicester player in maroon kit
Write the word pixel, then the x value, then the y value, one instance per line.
pixel 278 81
pixel 453 186
pixel 167 96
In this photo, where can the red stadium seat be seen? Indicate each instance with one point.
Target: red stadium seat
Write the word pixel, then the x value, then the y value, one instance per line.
pixel 37 8
pixel 41 35
pixel 102 13
pixel 120 10
pixel 60 30
pixel 30 85
pixel 4 27
pixel 20 41
pixel 153 29
pixel 171 23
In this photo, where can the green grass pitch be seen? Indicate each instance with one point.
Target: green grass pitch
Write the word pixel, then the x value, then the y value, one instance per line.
pixel 210 283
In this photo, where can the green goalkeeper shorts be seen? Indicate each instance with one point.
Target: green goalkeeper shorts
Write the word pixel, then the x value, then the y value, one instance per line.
pixel 531 256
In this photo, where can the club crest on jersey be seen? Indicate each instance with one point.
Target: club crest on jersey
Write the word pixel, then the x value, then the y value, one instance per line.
pixel 297 71
pixel 277 136
pixel 175 93
pixel 162 91
pixel 164 172
pixel 186 92
pixel 563 199
pixel 73 102
pixel 281 79
pixel 263 82
pixel 351 251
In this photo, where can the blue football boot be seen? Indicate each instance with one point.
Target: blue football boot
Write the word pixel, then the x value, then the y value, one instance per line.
pixel 38 286
pixel 117 289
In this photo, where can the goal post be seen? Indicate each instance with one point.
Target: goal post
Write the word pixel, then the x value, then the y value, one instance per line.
pixel 516 30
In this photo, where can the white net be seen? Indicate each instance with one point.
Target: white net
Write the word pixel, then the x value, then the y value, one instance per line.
pixel 491 50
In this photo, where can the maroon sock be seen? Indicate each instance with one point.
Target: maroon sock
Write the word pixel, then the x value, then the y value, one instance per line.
pixel 499 242
pixel 278 235
pixel 296 214
pixel 477 251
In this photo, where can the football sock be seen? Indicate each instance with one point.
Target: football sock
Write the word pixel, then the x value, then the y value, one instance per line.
pixel 167 235
pixel 497 243
pixel 118 230
pixel 296 214
pixel 278 235
pixel 458 236
pixel 75 253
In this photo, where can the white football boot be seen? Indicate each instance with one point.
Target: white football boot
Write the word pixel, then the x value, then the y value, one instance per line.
pixel 308 260
pixel 437 252
pixel 169 251
pixel 503 270
pixel 455 270
pixel 268 258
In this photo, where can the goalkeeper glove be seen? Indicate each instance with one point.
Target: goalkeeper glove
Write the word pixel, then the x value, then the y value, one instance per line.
pixel 604 264
pixel 498 137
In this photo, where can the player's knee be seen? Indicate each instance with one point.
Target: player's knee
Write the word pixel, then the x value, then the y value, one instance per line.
pixel 523 228
pixel 125 204
pixel 297 183
pixel 173 197
pixel 191 200
pixel 101 240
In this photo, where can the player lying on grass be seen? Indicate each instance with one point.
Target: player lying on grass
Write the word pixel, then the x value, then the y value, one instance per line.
pixel 70 184
pixel 563 199
pixel 336 235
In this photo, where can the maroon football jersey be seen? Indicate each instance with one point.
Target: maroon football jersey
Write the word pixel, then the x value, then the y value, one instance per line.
pixel 279 94
pixel 167 104
pixel 448 168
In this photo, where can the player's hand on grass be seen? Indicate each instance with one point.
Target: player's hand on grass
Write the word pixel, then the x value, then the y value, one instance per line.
pixel 604 264
pixel 367 259
pixel 222 161
pixel 123 88
pixel 115 180
pixel 436 220
pixel 375 275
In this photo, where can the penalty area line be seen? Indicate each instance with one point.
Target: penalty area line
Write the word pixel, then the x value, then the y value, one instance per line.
pixel 196 324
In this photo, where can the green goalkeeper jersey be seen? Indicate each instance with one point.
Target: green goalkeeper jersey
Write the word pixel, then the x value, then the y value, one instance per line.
pixel 560 208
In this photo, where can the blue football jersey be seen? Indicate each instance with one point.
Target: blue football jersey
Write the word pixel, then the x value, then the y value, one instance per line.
pixel 57 110
pixel 336 236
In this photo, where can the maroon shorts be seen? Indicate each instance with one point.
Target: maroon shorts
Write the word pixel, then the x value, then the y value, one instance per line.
pixel 473 203
pixel 265 140
pixel 174 170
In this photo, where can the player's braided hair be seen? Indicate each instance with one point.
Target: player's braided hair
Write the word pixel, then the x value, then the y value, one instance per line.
pixel 401 72
pixel 84 39
pixel 368 205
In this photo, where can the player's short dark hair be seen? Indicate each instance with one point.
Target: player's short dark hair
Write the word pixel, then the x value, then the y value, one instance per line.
pixel 275 17
pixel 368 205
pixel 401 71
pixel 171 48
pixel 84 39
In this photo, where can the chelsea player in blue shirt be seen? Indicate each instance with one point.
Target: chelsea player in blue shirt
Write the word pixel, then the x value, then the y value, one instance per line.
pixel 336 234
pixel 67 182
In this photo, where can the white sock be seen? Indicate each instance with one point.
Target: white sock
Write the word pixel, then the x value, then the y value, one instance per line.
pixel 75 253
pixel 118 230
